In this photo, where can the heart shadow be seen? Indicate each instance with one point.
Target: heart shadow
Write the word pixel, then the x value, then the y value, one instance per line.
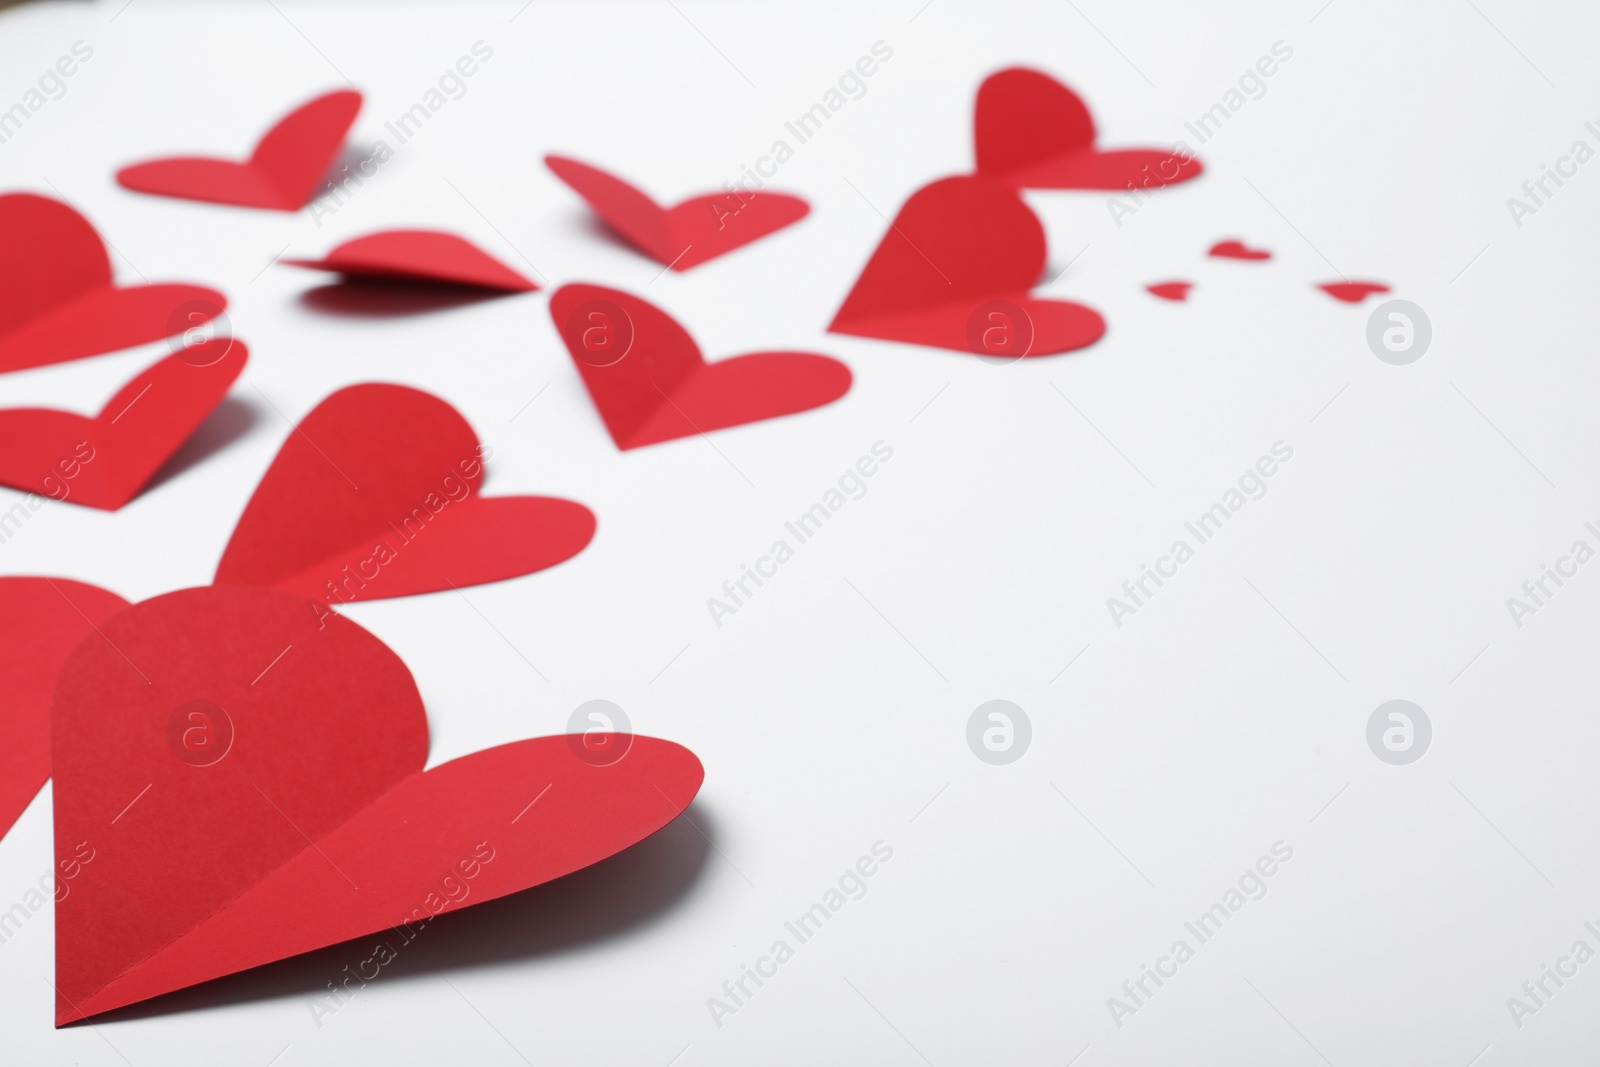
pixel 387 299
pixel 611 899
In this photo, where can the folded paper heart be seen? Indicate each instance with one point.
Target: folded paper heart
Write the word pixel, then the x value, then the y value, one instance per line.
pixel 41 621
pixel 103 462
pixel 954 271
pixel 1352 292
pixel 271 755
pixel 282 172
pixel 688 234
pixel 375 494
pixel 1237 250
pixel 1177 291
pixel 425 256
pixel 650 383
pixel 1031 131
pixel 60 301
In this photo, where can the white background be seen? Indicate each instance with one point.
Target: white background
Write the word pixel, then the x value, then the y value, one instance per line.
pixel 831 709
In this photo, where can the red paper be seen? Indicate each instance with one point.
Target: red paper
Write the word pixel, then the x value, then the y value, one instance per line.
pixel 688 234
pixel 103 462
pixel 41 621
pixel 60 302
pixel 1178 291
pixel 419 256
pixel 650 383
pixel 1352 292
pixel 282 173
pixel 1237 250
pixel 954 271
pixel 1035 133
pixel 247 771
pixel 375 494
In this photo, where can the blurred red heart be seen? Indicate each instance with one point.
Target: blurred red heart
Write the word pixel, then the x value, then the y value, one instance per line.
pixel 689 233
pixel 1171 290
pixel 57 298
pixel 1352 292
pixel 1237 250
pixel 282 172
pixel 418 256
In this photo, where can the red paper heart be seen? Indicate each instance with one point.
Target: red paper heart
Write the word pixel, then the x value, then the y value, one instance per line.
pixel 1237 250
pixel 60 301
pixel 1178 291
pixel 282 172
pixel 375 494
pixel 1352 292
pixel 103 462
pixel 419 256
pixel 41 621
pixel 954 271
pixel 1033 132
pixel 685 235
pixel 271 756
pixel 650 383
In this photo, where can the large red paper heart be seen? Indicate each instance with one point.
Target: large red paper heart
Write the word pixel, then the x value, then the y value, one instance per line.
pixel 246 774
pixel 375 494
pixel 1352 292
pixel 1237 250
pixel 419 256
pixel 954 271
pixel 1033 132
pixel 103 462
pixel 282 172
pixel 689 233
pixel 41 621
pixel 57 298
pixel 650 383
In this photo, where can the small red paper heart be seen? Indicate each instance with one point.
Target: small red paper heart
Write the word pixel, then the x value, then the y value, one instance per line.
pixel 650 383
pixel 1237 250
pixel 271 755
pixel 60 301
pixel 42 621
pixel 103 462
pixel 375 494
pixel 419 256
pixel 1031 131
pixel 688 234
pixel 1352 292
pixel 282 172
pixel 1178 291
pixel 954 271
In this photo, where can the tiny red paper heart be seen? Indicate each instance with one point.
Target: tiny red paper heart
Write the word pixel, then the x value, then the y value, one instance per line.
pixel 375 494
pixel 1352 292
pixel 691 232
pixel 272 755
pixel 954 271
pixel 650 383
pixel 41 621
pixel 1237 250
pixel 282 172
pixel 1031 131
pixel 103 462
pixel 60 301
pixel 1178 291
pixel 418 256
